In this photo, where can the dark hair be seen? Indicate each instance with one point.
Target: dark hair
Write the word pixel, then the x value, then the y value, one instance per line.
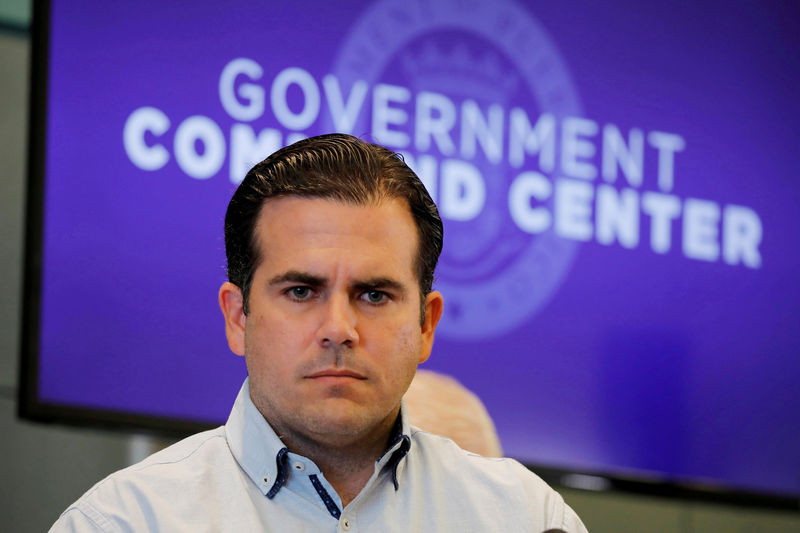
pixel 336 166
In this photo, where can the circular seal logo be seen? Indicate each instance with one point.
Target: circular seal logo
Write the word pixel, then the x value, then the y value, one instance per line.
pixel 481 60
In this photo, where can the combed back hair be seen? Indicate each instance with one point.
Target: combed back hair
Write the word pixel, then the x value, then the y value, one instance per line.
pixel 337 167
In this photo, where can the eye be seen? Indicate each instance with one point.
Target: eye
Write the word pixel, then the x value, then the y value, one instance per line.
pixel 375 297
pixel 300 292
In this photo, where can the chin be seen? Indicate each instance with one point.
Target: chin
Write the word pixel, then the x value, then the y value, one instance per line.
pixel 344 423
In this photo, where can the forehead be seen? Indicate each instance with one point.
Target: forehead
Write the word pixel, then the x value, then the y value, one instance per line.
pixel 377 235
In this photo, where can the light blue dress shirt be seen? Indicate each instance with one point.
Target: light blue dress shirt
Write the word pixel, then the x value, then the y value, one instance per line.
pixel 240 477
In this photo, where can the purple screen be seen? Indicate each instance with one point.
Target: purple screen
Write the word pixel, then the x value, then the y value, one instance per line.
pixel 618 185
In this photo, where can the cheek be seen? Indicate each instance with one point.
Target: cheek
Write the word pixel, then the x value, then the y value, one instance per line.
pixel 405 351
pixel 276 329
pixel 266 346
pixel 408 338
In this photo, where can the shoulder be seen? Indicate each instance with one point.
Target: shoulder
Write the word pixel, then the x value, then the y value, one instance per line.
pixel 201 450
pixel 441 453
pixel 184 451
pixel 135 493
pixel 502 483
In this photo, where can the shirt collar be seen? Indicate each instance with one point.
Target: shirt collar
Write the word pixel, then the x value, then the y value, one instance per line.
pixel 254 444
pixel 263 456
pixel 400 443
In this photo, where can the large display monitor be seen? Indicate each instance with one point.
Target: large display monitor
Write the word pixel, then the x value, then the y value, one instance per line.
pixel 618 183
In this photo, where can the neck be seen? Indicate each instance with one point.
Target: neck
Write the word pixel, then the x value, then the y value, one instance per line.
pixel 347 464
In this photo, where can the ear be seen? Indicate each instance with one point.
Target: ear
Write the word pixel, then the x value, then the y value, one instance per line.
pixel 434 303
pixel 232 306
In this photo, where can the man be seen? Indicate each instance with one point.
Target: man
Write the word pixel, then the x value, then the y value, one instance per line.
pixel 331 244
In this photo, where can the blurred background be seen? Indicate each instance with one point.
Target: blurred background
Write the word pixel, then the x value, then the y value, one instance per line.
pixel 46 467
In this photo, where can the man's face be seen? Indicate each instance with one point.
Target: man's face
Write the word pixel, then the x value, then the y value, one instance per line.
pixel 333 334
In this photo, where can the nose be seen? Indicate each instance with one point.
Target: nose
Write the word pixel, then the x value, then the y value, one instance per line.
pixel 338 327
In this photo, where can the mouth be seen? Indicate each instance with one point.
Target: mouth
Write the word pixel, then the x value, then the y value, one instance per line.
pixel 336 376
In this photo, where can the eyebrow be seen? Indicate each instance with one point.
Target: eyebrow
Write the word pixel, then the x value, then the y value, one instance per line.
pixel 296 276
pixel 380 283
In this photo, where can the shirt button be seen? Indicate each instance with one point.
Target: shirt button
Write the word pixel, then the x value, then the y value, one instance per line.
pixel 266 480
pixel 346 524
pixel 299 466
